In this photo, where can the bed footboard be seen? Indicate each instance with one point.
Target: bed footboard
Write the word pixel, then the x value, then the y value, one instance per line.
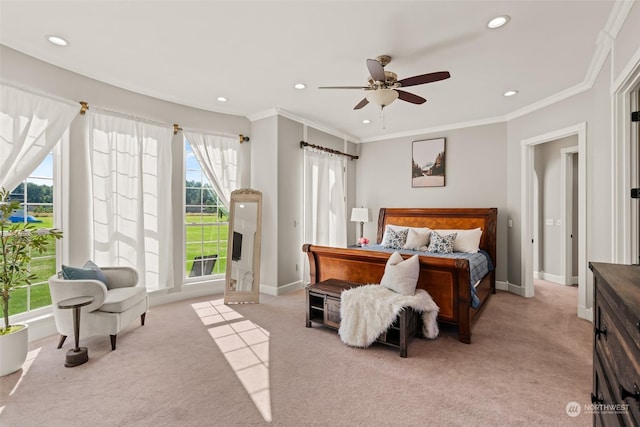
pixel 446 279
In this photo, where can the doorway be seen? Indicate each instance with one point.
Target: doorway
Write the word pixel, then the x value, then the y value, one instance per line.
pixel 528 238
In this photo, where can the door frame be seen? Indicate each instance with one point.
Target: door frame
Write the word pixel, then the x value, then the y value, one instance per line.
pixel 526 198
pixel 624 227
pixel 566 212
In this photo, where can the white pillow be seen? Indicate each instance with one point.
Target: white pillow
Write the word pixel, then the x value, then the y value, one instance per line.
pixel 401 275
pixel 417 239
pixel 466 240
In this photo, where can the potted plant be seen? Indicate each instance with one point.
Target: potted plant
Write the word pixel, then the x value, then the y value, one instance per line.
pixel 18 243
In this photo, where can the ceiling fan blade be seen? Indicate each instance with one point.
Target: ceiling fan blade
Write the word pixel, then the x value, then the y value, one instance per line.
pixel 361 104
pixel 376 70
pixel 424 78
pixel 343 87
pixel 409 97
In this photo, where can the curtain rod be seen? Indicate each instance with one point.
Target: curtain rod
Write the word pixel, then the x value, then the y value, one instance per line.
pixel 328 150
pixel 84 107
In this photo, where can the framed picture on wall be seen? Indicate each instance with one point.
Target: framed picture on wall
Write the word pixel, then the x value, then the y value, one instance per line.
pixel 428 160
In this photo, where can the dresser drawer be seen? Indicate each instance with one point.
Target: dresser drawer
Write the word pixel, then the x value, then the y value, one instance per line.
pixel 602 397
pixel 620 359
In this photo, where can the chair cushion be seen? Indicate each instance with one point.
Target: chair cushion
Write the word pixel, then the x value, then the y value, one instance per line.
pixel 122 299
pixel 89 271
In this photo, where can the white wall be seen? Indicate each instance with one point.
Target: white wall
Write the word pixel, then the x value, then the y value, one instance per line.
pixel 475 177
pixel 290 220
pixel 277 171
pixel 264 177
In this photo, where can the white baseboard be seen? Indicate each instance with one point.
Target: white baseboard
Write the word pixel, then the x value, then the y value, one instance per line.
pixel 502 286
pixel 549 277
pixel 281 290
pixel 554 278
pixel 510 287
pixel 585 313
pixel 194 290
pixel 516 289
pixel 41 327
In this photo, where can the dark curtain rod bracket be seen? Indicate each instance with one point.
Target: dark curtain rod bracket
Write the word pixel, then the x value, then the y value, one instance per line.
pixel 328 150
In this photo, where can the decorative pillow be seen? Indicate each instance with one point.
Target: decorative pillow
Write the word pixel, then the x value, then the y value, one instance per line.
pixel 466 240
pixel 90 271
pixel 394 239
pixel 417 239
pixel 401 275
pixel 441 244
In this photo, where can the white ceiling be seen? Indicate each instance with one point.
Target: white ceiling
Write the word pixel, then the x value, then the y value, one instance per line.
pixel 191 52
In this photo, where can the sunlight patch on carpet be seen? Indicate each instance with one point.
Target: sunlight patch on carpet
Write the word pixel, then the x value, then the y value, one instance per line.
pixel 245 345
pixel 31 357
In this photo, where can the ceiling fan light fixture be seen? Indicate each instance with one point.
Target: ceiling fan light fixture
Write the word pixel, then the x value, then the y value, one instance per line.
pixel 498 21
pixel 382 97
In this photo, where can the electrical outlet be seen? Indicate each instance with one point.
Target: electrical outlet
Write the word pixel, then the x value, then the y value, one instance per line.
pixel 509 223
pixel 549 221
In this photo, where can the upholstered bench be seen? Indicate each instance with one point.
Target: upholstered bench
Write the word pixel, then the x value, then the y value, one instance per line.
pixel 323 308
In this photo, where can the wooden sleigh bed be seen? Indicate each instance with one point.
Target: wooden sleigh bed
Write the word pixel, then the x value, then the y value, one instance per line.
pixel 446 279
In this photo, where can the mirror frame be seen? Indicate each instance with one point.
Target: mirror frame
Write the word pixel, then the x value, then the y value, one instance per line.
pixel 244 195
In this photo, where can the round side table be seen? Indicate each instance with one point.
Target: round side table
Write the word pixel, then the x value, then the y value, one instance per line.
pixel 78 355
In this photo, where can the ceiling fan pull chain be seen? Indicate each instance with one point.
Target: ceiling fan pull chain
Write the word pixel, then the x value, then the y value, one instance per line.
pixel 382 117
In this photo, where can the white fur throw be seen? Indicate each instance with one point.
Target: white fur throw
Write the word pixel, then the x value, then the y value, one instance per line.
pixel 368 311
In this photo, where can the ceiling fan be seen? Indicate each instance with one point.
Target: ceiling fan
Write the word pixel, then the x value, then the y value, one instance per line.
pixel 384 86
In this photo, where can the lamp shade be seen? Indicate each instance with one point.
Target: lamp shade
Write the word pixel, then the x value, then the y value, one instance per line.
pixel 382 97
pixel 361 215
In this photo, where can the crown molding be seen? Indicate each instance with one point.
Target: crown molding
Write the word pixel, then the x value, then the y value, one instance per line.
pixel 289 115
pixel 618 15
pixel 441 128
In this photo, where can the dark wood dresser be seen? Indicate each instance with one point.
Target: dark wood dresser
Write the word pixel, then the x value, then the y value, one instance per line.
pixel 616 344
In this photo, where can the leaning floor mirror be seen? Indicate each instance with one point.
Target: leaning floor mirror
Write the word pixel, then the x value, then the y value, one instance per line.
pixel 243 250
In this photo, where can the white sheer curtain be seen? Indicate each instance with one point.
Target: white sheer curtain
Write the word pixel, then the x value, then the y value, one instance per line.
pixel 30 126
pixel 131 181
pixel 219 158
pixel 325 211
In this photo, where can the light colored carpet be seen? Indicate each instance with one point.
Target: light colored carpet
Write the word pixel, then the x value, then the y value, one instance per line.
pixel 529 359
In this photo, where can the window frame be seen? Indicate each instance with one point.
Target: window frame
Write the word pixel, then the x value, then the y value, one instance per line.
pixel 185 226
pixel 56 178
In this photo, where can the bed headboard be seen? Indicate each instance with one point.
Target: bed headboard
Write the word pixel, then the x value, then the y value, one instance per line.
pixel 445 218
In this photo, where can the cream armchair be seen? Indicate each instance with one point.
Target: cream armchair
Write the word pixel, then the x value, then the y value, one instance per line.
pixel 112 309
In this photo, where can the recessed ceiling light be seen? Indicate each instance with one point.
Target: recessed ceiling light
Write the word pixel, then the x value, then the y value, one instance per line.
pixel 510 92
pixel 58 41
pixel 366 121
pixel 299 86
pixel 498 21
pixel 222 99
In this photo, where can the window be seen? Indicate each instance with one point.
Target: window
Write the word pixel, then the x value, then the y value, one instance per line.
pixel 37 207
pixel 206 223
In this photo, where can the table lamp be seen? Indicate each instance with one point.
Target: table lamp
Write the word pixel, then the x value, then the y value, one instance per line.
pixel 361 215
